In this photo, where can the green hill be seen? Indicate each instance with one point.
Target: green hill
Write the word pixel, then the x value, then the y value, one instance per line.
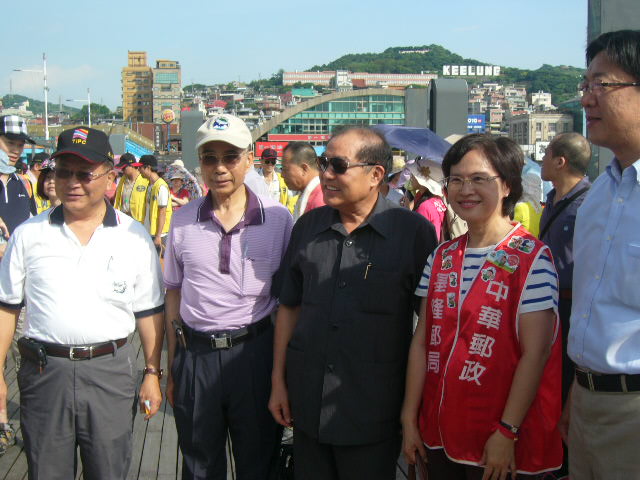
pixel 561 81
pixel 36 106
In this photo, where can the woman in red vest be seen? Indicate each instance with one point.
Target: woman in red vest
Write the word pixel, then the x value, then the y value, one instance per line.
pixel 483 383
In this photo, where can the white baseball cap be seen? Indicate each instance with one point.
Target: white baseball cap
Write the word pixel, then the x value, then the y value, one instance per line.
pixel 224 128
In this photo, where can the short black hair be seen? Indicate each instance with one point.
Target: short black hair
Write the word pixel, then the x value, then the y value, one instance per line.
pixel 504 155
pixel 574 148
pixel 302 152
pixel 621 47
pixel 375 149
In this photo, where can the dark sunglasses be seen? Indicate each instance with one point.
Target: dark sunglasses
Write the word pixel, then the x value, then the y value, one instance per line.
pixel 269 161
pixel 339 165
pixel 228 159
pixel 82 176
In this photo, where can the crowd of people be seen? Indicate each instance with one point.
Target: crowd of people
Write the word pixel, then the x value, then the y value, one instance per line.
pixel 289 299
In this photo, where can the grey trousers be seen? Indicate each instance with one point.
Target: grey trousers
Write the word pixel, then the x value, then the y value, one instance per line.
pixel 604 435
pixel 87 404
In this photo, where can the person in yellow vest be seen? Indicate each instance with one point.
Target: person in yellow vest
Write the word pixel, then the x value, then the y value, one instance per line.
pixel 276 185
pixel 32 174
pixel 131 193
pixel 159 211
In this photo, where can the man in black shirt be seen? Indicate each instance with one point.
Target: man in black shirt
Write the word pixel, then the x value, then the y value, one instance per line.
pixel 345 319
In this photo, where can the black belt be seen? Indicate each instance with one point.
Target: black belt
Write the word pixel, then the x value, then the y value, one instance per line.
pixel 83 352
pixel 597 382
pixel 228 338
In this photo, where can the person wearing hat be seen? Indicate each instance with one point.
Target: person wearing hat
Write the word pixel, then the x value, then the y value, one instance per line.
pixel 46 185
pixel 33 173
pixel 427 186
pixel 16 193
pixel 85 294
pixel 158 210
pixel 393 186
pixel 222 252
pixel 275 183
pixel 131 193
pixel 179 195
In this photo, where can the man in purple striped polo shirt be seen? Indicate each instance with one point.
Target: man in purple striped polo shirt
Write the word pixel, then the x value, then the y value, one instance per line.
pixel 221 255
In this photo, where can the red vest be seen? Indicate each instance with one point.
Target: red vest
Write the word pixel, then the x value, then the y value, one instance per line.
pixel 472 356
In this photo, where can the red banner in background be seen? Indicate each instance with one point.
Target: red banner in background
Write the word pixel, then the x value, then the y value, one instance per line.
pixel 277 146
pixel 296 137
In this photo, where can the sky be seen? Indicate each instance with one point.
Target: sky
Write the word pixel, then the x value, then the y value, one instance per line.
pixel 221 41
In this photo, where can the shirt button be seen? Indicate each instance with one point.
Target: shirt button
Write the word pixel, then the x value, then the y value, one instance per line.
pixel 330 368
pixel 609 237
pixel 584 315
pixel 348 243
pixel 620 199
pixel 334 327
pixel 342 284
pixel 597 277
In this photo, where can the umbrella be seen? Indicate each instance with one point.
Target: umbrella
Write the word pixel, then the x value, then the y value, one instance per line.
pixel 190 182
pixel 419 141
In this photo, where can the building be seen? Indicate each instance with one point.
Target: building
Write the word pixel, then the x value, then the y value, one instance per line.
pixel 541 101
pixel 342 78
pixel 530 128
pixel 167 89
pixel 137 94
pixel 317 123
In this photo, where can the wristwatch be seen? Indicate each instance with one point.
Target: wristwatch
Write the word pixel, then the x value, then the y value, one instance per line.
pixel 153 371
pixel 512 428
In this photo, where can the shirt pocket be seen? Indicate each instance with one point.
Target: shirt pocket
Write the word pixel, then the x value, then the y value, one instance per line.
pixel 116 286
pixel 256 276
pixel 627 279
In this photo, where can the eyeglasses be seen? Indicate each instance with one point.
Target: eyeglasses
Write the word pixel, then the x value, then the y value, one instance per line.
pixel 599 87
pixel 228 159
pixel 456 183
pixel 81 175
pixel 269 161
pixel 339 165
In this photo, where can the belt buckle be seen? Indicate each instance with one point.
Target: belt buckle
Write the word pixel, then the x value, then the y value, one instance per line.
pixel 84 349
pixel 590 381
pixel 221 342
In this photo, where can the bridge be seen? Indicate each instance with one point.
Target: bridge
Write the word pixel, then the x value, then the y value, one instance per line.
pixel 267 126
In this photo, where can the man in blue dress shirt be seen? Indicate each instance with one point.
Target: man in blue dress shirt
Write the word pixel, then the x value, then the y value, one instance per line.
pixel 604 338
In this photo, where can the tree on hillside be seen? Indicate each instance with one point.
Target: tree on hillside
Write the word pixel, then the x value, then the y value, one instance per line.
pixel 97 112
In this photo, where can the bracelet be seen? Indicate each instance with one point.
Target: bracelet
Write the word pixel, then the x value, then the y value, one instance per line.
pixel 153 371
pixel 507 432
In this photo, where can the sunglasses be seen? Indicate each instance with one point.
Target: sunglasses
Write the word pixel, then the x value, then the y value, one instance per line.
pixel 339 165
pixel 82 176
pixel 269 161
pixel 228 159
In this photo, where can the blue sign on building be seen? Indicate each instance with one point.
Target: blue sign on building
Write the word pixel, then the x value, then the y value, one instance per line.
pixel 476 124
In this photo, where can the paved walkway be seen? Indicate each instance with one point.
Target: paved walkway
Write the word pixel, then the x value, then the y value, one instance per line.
pixel 156 455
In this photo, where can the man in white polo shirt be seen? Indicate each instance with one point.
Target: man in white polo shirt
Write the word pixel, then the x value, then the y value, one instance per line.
pixel 87 273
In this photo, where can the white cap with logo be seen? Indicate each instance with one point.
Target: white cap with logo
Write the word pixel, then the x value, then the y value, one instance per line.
pixel 224 128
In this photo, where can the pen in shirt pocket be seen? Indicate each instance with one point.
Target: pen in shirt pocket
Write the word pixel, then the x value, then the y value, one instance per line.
pixel 366 271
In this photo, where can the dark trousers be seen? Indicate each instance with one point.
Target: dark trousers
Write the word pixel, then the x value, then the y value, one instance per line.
pixel 317 461
pixel 220 392
pixel 87 404
pixel 568 372
pixel 564 312
pixel 441 468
